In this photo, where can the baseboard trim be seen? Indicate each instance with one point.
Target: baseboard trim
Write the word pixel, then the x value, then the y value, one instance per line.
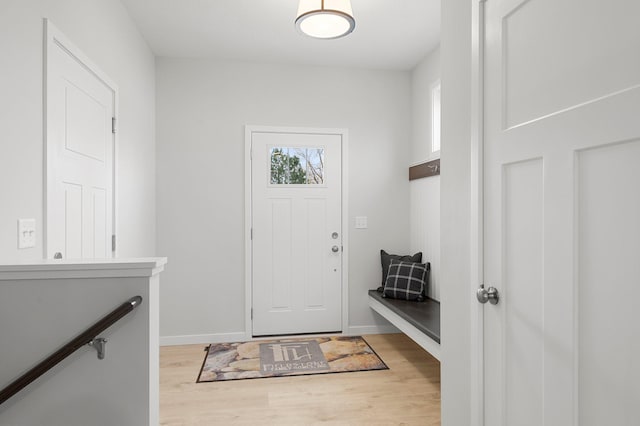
pixel 359 330
pixel 194 339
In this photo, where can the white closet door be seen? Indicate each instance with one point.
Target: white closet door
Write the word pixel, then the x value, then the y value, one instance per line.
pixel 80 150
pixel 562 209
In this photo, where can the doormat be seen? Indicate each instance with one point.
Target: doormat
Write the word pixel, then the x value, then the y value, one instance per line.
pixel 288 357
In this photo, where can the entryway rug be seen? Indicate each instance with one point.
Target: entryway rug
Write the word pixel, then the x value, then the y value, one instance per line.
pixel 288 357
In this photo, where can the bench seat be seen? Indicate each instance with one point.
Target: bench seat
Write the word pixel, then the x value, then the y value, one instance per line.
pixel 418 320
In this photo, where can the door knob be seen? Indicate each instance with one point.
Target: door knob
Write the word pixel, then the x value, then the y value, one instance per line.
pixel 335 249
pixel 488 295
pixel 57 255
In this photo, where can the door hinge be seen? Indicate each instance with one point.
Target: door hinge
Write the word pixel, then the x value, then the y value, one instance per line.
pixel 113 125
pixel 251 234
pixel 113 243
pixel 252 313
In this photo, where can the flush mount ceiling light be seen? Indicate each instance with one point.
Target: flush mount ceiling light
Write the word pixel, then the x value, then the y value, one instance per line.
pixel 325 19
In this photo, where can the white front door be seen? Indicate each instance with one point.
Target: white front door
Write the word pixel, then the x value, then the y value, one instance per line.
pixel 80 149
pixel 562 212
pixel 296 232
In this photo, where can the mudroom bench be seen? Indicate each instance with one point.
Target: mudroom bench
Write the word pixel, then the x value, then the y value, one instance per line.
pixel 418 320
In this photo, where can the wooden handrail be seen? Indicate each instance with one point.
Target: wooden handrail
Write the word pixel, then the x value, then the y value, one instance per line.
pixel 70 347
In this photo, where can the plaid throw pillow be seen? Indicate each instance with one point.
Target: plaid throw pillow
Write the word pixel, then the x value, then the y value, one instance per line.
pixel 406 280
pixel 385 260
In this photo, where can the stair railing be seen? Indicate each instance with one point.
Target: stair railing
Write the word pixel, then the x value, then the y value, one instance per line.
pixel 87 337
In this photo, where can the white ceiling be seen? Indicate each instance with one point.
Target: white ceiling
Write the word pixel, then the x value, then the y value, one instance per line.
pixel 389 34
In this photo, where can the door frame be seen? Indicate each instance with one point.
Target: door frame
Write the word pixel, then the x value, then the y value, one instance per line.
pixel 248 208
pixel 53 36
pixel 476 237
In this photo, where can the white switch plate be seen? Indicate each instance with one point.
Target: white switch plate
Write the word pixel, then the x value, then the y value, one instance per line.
pixel 26 233
pixel 361 222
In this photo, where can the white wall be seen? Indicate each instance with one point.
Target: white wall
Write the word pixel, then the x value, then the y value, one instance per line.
pixel 425 226
pixel 425 192
pixel 455 212
pixel 202 108
pixel 103 30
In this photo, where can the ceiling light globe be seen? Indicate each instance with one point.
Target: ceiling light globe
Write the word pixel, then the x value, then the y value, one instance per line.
pixel 328 19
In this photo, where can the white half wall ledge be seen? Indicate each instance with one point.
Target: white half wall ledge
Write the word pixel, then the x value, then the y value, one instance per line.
pixel 86 268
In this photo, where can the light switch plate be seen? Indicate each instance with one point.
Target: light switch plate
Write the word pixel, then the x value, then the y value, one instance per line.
pixel 361 222
pixel 26 233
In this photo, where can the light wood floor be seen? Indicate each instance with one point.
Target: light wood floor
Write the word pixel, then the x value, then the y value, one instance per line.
pixel 406 394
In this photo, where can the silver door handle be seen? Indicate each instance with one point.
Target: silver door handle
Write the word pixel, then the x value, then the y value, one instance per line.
pixel 488 295
pixel 57 255
pixel 335 249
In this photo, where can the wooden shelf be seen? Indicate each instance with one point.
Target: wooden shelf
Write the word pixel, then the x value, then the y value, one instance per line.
pixel 423 170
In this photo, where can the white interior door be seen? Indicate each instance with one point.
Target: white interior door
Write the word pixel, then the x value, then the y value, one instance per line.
pixel 296 233
pixel 80 151
pixel 562 212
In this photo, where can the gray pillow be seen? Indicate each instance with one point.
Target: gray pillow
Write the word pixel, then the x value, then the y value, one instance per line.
pixel 406 281
pixel 385 259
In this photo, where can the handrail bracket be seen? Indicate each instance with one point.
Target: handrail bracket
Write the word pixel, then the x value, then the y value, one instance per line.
pixel 99 344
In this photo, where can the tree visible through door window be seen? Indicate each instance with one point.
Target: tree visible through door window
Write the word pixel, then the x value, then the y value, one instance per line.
pixel 297 166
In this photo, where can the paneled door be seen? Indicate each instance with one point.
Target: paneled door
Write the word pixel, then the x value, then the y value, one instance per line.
pixel 80 152
pixel 562 212
pixel 296 232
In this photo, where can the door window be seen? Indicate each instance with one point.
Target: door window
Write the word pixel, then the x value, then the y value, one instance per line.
pixel 296 166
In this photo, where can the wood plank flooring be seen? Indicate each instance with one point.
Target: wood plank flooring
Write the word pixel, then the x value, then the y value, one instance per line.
pixel 406 394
